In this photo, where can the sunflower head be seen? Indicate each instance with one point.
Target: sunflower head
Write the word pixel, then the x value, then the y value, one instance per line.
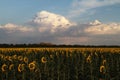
pixel 20 58
pixel 104 62
pixel 6 58
pixel 25 59
pixel 88 59
pixel 32 66
pixel 21 67
pixel 11 67
pixel 10 58
pixel 102 69
pixel 14 56
pixel 1 56
pixel 51 56
pixel 4 68
pixel 43 60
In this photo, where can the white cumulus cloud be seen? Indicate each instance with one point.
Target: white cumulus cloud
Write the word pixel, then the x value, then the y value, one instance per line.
pixel 96 22
pixel 51 21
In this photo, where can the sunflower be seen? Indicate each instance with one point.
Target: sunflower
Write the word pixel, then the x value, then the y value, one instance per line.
pixel 32 65
pixel 51 56
pixel 10 58
pixel 37 70
pixel 6 58
pixel 4 67
pixel 21 67
pixel 43 60
pixel 2 56
pixel 88 59
pixel 102 69
pixel 25 59
pixel 104 62
pixel 14 56
pixel 11 67
pixel 20 58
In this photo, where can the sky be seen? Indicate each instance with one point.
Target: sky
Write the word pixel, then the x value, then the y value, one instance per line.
pixel 83 22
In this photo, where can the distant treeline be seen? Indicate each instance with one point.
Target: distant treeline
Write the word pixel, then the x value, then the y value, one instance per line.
pixel 54 45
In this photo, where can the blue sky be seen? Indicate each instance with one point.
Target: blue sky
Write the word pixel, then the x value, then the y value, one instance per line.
pixel 19 11
pixel 75 15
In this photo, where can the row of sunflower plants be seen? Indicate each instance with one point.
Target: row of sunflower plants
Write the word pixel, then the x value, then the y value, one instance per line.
pixel 60 64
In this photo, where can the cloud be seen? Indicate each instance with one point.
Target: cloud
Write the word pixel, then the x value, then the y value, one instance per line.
pixel 81 6
pixel 54 28
pixel 99 28
pixel 48 21
pixel 12 33
pixel 96 22
pixel 9 28
pixel 44 27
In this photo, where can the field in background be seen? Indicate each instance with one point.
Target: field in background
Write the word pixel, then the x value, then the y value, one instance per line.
pixel 59 63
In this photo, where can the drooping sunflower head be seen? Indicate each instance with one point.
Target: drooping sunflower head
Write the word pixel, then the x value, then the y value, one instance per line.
pixel 14 57
pixel 1 56
pixel 11 67
pixel 6 58
pixel 104 62
pixel 4 68
pixel 43 60
pixel 9 58
pixel 21 67
pixel 88 60
pixel 102 69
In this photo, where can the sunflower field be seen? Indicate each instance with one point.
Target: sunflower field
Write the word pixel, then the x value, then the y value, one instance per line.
pixel 59 63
